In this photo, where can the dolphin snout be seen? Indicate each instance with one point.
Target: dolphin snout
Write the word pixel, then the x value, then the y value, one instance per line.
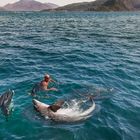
pixel 35 104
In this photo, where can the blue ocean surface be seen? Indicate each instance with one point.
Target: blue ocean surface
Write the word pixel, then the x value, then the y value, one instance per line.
pixel 84 52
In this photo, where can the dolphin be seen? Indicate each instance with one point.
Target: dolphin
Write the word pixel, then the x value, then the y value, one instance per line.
pixel 5 101
pixel 57 113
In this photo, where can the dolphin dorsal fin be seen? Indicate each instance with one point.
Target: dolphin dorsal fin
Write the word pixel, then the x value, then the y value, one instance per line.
pixel 56 106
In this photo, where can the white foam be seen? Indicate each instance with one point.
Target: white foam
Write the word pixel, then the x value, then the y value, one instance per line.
pixel 73 111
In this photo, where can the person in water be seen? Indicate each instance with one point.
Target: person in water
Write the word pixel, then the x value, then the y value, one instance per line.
pixel 45 83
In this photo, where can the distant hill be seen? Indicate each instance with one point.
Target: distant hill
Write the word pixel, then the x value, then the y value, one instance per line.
pixel 52 5
pixel 29 5
pixel 2 9
pixel 103 5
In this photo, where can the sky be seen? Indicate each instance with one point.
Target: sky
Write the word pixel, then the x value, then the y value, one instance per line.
pixel 58 2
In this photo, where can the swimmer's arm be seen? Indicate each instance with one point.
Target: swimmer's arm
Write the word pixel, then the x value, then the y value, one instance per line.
pixel 51 89
pixel 51 80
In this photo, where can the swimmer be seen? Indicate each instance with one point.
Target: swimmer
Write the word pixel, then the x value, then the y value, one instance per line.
pixel 45 83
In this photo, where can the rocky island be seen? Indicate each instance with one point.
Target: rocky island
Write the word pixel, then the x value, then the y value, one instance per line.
pixel 28 5
pixel 103 5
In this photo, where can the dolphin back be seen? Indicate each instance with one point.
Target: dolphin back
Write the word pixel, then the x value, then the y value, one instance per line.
pixel 5 101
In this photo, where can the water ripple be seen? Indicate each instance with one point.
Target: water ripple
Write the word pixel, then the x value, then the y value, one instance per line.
pixel 86 53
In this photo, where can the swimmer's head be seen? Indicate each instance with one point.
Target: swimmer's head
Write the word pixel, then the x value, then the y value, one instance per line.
pixel 47 76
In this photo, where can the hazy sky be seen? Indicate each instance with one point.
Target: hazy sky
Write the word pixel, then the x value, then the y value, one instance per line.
pixel 59 2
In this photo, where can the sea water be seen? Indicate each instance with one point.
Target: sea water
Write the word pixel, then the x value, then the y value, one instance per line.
pixel 86 53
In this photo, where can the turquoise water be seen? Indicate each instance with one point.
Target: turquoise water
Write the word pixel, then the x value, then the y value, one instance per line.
pixel 84 52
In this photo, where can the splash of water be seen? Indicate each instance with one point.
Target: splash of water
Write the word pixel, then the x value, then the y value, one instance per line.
pixel 73 111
